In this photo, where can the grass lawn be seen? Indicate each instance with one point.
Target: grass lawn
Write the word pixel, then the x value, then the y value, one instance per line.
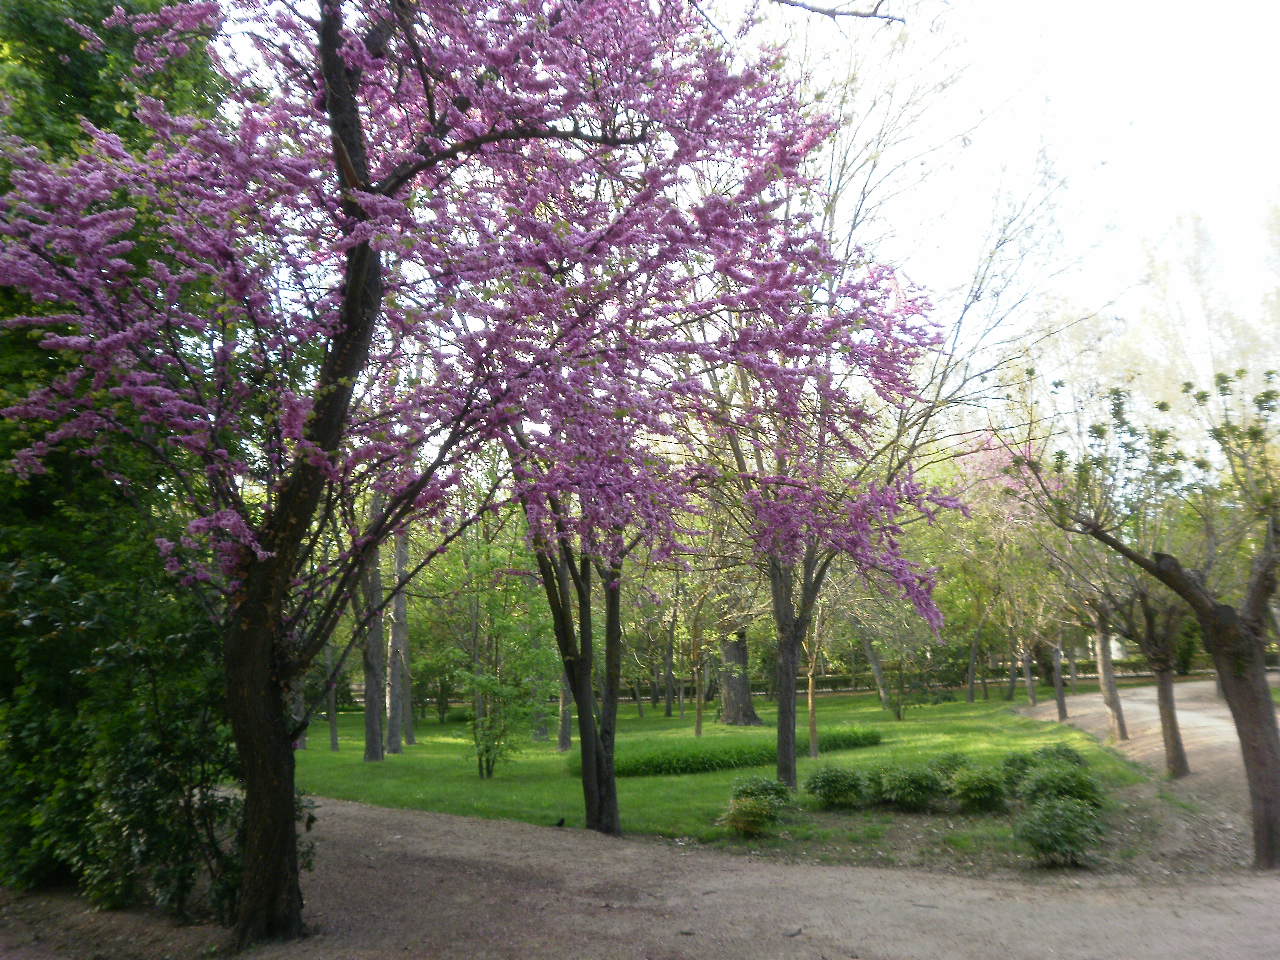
pixel 439 773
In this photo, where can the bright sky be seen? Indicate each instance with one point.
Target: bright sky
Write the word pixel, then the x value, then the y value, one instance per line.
pixel 1152 111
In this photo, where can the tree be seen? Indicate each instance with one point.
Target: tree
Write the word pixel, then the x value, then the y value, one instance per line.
pixel 375 197
pixel 1098 494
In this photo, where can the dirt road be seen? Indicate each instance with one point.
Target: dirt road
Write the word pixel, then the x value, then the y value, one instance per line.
pixel 405 884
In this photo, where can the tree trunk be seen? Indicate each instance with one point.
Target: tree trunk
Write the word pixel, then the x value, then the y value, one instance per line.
pixel 789 638
pixel 680 698
pixel 877 671
pixel 1239 656
pixel 331 697
pixel 1012 688
pixel 374 657
pixel 1175 757
pixel 972 677
pixel 635 690
pixel 1059 693
pixel 700 701
pixel 270 902
pixel 400 639
pixel 1027 678
pixel 735 682
pixel 564 741
pixel 394 694
pixel 297 716
pixel 1071 664
pixel 668 676
pixel 1107 678
pixel 813 713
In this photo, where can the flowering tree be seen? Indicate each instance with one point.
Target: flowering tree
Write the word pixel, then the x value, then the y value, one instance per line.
pixel 346 285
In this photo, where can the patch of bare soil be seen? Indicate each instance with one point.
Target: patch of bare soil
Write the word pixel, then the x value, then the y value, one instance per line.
pixel 407 884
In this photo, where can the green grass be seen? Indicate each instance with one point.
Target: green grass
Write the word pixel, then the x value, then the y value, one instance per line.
pixel 439 774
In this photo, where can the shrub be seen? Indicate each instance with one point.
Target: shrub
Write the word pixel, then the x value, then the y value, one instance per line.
pixel 840 789
pixel 459 715
pixel 909 788
pixel 677 757
pixel 762 787
pixel 945 765
pixel 1058 753
pixel 1015 768
pixel 751 816
pixel 979 789
pixel 1060 780
pixel 1060 830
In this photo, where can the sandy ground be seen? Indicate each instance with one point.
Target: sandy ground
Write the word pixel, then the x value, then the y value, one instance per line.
pixel 406 884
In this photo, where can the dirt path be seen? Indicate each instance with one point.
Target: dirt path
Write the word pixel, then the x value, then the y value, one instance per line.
pixel 406 884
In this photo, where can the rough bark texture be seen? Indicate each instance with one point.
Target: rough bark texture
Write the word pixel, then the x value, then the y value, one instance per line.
pixel 374 659
pixel 1175 755
pixel 735 682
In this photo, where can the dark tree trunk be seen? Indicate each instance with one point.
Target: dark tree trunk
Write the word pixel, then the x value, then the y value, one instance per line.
pixel 1175 756
pixel 270 904
pixel 331 697
pixel 668 667
pixel 400 638
pixel 789 638
pixel 564 740
pixel 635 693
pixel 374 656
pixel 1059 693
pixel 735 682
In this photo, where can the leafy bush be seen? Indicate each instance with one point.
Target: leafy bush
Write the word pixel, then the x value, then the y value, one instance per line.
pixel 979 789
pixel 1058 753
pixel 1060 780
pixel 751 816
pixel 945 765
pixel 678 757
pixel 762 787
pixel 837 788
pixel 1061 830
pixel 459 715
pixel 1015 768
pixel 913 789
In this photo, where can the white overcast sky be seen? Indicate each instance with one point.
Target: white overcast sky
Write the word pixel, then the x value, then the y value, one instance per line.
pixel 1151 111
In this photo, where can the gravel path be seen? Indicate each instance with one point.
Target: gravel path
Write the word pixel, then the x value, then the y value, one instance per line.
pixel 407 884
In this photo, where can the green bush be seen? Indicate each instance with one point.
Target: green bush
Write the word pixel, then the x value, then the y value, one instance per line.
pixel 979 789
pixel 945 765
pixel 1061 781
pixel 764 787
pixel 913 789
pixel 1015 768
pixel 1058 753
pixel 1060 830
pixel 837 788
pixel 459 715
pixel 751 816
pixel 690 755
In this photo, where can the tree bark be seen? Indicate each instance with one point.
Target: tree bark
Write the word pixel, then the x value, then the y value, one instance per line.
pixel 700 700
pixel 1107 678
pixel 1059 693
pixel 877 671
pixel 1027 678
pixel 1175 756
pixel 564 740
pixel 735 682
pixel 374 656
pixel 400 637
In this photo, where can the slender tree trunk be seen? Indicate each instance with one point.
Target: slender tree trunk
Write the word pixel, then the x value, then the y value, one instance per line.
pixel 877 671
pixel 1027 678
pixel 680 698
pixel 668 675
pixel 1107 679
pixel 400 637
pixel 698 687
pixel 564 740
pixel 735 682
pixel 331 697
pixel 1012 688
pixel 635 688
pixel 1175 756
pixel 374 656
pixel 298 710
pixel 1059 693
pixel 972 677
pixel 1071 664
pixel 813 713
